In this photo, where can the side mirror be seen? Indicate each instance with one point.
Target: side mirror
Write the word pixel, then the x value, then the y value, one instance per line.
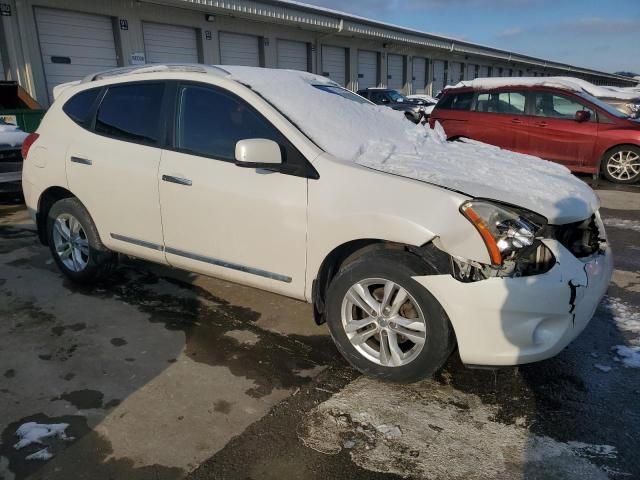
pixel 582 116
pixel 258 153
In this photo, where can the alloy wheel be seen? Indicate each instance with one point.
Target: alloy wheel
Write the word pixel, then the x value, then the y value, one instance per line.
pixel 383 322
pixel 624 165
pixel 71 243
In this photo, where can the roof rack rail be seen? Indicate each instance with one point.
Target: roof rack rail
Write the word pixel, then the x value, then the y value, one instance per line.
pixel 160 67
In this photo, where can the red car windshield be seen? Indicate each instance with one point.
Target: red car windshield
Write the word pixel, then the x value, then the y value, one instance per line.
pixel 610 109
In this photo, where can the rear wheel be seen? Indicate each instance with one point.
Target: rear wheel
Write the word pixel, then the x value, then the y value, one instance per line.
pixel 75 244
pixel 385 323
pixel 622 164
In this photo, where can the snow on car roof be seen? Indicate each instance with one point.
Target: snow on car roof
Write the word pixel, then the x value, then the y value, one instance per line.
pixel 382 139
pixel 565 83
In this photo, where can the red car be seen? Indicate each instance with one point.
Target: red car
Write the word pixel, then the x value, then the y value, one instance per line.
pixel 569 127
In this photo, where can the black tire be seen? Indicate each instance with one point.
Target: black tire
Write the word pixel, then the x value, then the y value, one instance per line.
pixel 100 261
pixel 398 267
pixel 607 163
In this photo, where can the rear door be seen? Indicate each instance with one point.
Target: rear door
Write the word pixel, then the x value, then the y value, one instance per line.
pixel 499 119
pixel 554 134
pixel 114 170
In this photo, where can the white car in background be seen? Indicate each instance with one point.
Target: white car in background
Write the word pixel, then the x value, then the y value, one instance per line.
pixel 11 138
pixel 406 244
pixel 430 101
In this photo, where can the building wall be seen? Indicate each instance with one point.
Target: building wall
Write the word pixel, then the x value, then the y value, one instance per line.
pixel 23 56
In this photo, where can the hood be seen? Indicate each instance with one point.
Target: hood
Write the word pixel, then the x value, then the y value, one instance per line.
pixel 382 139
pixel 483 171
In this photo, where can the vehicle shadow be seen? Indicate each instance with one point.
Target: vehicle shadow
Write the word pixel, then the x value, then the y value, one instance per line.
pixel 137 366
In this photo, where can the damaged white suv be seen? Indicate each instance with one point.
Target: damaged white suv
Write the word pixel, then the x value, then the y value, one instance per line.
pixel 405 244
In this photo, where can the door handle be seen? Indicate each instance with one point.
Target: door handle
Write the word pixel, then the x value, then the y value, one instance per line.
pixel 83 161
pixel 178 180
pixel 541 124
pixel 516 121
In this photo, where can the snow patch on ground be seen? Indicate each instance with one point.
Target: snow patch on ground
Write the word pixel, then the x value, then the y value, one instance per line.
pixel 625 316
pixel 381 138
pixel 629 356
pixel 441 433
pixel 620 223
pixel 36 433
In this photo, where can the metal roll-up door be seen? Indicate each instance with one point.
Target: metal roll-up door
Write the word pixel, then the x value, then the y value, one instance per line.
pixel 419 75
pixel 438 76
pixel 2 74
pixel 454 73
pixel 334 64
pixel 238 49
pixel 484 71
pixel 395 71
pixel 471 71
pixel 169 43
pixel 367 69
pixel 74 45
pixel 293 55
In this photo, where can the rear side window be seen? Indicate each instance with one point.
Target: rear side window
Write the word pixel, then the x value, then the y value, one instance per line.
pixel 501 102
pixel 461 101
pixel 79 107
pixel 131 113
pixel 211 122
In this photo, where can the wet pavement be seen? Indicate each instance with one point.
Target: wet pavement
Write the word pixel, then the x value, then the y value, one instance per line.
pixel 161 374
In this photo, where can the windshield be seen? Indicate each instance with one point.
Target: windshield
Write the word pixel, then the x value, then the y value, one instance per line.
pixel 610 109
pixel 343 92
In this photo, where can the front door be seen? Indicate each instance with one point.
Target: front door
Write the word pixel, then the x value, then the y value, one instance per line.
pixel 555 134
pixel 114 169
pixel 240 224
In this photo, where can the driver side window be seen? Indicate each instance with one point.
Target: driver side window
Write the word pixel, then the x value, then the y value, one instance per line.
pixel 210 122
pixel 551 105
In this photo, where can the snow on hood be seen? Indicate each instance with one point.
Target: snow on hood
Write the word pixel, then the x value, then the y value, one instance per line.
pixel 380 138
pixel 564 83
pixel 11 135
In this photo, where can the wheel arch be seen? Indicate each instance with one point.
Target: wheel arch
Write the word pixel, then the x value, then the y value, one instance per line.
pixel 47 199
pixel 430 260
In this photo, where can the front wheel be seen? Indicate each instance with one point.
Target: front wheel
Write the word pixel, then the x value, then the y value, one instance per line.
pixel 75 244
pixel 385 323
pixel 622 164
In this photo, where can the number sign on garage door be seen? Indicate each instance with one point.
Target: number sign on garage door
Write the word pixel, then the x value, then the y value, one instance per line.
pixel 395 71
pixel 74 45
pixel 367 69
pixel 169 43
pixel 419 76
pixel 334 64
pixel 237 49
pixel 293 55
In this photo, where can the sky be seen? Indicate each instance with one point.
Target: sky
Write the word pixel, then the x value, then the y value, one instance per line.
pixel 599 34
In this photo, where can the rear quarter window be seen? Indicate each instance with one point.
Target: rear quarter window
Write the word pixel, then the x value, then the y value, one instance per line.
pixel 79 107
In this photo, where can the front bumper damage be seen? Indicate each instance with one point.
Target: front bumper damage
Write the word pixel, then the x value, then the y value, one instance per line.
pixel 511 321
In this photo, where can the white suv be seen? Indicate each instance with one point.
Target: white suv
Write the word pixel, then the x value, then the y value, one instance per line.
pixel 405 244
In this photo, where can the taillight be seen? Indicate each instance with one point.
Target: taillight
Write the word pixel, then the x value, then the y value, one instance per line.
pixel 26 145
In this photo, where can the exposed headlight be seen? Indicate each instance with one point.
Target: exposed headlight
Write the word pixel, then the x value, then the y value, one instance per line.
pixel 506 231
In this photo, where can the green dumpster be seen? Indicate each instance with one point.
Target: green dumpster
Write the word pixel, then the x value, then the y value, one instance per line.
pixel 18 108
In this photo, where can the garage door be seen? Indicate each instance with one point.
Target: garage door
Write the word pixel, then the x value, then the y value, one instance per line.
pixel 484 71
pixel 293 55
pixel 237 49
pixel 455 69
pixel 367 69
pixel 334 64
pixel 471 71
pixel 419 75
pixel 74 45
pixel 395 71
pixel 169 43
pixel 438 77
pixel 2 75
